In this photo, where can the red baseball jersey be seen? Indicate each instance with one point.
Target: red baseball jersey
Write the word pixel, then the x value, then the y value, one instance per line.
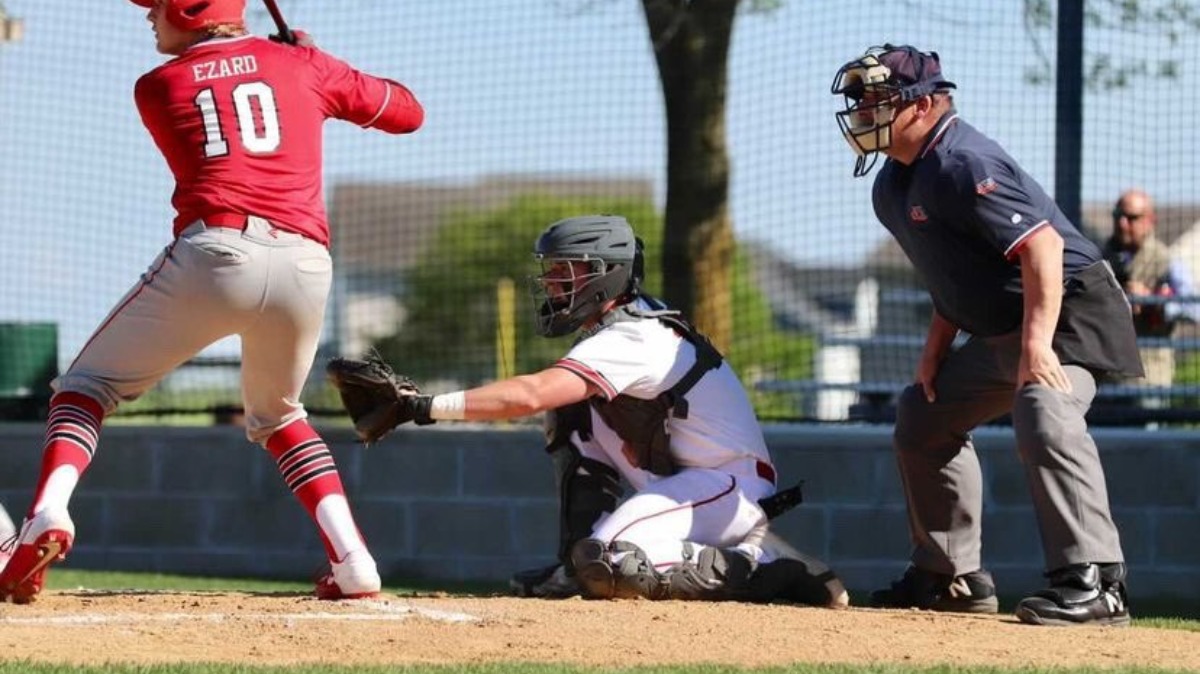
pixel 239 123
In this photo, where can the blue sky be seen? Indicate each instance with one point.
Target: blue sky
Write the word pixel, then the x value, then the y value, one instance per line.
pixel 526 86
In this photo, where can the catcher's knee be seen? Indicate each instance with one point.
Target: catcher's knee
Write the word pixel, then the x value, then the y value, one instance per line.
pixel 617 570
pixel 712 575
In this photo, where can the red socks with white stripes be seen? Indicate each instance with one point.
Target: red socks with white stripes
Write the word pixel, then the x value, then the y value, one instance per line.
pixel 72 432
pixel 308 469
pixel 304 461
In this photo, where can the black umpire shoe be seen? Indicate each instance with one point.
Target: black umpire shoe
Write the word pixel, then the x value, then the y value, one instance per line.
pixel 972 592
pixel 1079 594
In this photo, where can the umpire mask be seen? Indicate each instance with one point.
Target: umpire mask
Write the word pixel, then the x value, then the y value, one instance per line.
pixel 874 87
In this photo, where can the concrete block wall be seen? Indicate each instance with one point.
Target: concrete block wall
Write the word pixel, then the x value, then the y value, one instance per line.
pixel 855 517
pixel 456 502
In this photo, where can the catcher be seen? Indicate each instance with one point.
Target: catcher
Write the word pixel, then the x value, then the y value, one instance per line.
pixel 641 396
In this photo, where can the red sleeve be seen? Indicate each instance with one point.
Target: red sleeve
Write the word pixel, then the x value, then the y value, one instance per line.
pixel 364 99
pixel 150 98
pixel 145 95
pixel 400 112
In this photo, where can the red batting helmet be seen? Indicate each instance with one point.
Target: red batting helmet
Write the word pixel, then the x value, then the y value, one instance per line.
pixel 199 14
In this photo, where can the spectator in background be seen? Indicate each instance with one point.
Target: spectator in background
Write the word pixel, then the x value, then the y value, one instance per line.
pixel 1144 267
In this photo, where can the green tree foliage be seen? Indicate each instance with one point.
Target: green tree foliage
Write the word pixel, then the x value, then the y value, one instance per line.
pixel 450 330
pixel 1170 20
pixel 763 351
pixel 451 301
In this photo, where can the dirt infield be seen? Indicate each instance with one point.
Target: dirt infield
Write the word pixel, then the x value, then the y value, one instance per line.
pixel 279 629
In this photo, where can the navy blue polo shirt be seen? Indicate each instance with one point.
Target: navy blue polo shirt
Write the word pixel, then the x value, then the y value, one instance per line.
pixel 961 213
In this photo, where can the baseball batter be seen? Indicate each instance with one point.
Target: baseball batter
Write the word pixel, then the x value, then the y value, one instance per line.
pixel 1046 318
pixel 238 119
pixel 641 396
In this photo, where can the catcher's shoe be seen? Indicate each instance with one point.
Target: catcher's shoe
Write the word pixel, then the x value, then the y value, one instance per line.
pixel 807 582
pixel 45 539
pixel 591 560
pixel 550 582
pixel 795 576
pixel 972 592
pixel 1079 594
pixel 355 577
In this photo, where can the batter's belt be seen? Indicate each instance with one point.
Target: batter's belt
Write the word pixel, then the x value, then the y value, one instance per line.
pixel 242 222
pixel 226 220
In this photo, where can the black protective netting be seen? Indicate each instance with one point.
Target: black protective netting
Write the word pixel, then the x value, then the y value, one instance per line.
pixel 539 109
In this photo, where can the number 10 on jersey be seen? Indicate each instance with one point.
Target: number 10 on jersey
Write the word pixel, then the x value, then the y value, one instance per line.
pixel 246 96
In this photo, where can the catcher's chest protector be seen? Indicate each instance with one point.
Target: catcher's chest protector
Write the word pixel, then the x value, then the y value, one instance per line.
pixel 643 423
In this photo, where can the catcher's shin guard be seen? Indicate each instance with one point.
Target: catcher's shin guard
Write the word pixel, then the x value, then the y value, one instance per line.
pixel 617 570
pixel 712 575
pixel 586 488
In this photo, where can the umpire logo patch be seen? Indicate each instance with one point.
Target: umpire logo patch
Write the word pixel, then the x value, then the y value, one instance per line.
pixel 985 186
pixel 917 214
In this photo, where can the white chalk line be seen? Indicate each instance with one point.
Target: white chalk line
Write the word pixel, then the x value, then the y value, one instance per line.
pixel 383 611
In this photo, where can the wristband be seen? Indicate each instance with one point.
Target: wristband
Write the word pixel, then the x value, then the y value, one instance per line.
pixel 449 406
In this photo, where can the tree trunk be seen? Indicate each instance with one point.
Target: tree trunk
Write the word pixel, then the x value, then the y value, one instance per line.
pixel 691 45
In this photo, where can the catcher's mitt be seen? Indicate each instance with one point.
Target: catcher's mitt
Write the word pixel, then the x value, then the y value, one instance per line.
pixel 377 398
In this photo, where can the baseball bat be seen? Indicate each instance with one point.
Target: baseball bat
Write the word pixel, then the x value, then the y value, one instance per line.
pixel 285 33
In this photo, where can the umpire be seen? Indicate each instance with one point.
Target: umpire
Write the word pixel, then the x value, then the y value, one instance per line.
pixel 1046 319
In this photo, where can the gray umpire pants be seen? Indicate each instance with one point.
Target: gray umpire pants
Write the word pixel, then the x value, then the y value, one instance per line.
pixel 940 471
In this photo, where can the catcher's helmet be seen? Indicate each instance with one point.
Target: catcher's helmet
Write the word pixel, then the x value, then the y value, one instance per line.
pixel 873 86
pixel 613 257
pixel 199 14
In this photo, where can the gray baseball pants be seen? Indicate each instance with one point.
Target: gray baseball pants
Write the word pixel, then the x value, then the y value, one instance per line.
pixel 940 471
pixel 265 285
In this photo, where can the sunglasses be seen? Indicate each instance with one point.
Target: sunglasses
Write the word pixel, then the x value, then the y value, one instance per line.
pixel 1117 214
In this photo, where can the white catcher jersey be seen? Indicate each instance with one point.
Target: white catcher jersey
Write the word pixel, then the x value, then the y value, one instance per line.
pixel 645 358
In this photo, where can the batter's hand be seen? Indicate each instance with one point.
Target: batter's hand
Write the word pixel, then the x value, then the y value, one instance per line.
pixel 377 398
pixel 1040 365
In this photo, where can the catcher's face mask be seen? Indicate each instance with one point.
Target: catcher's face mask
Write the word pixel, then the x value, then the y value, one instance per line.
pixel 569 291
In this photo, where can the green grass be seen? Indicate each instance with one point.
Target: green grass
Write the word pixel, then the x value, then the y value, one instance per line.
pixel 71 579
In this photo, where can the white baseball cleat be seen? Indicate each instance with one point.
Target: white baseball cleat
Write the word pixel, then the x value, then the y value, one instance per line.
pixel 355 577
pixel 45 539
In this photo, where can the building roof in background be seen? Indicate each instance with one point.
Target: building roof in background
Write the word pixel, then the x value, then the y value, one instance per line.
pixel 386 226
pixel 809 299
